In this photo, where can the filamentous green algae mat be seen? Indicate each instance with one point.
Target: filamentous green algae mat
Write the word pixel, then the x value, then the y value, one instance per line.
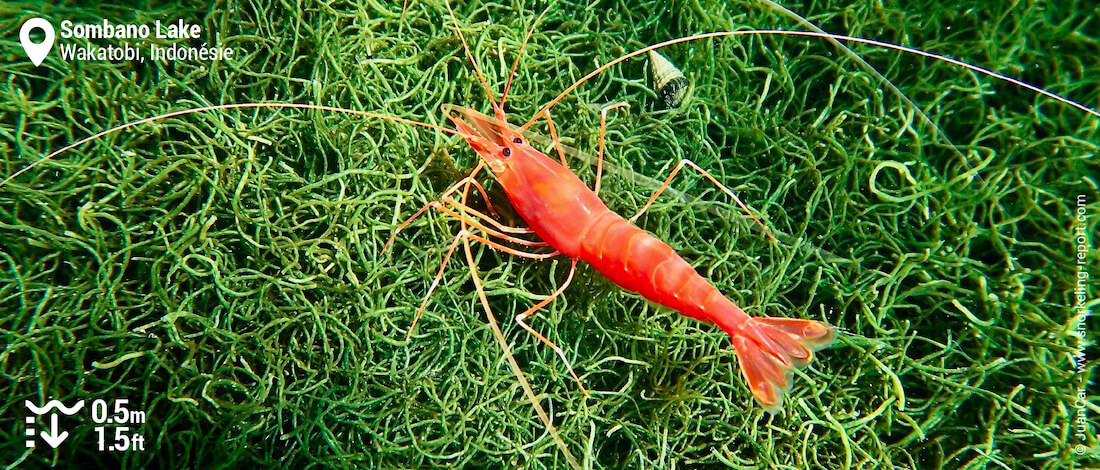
pixel 223 271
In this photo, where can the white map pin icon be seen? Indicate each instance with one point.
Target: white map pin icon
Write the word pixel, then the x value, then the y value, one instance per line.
pixel 36 52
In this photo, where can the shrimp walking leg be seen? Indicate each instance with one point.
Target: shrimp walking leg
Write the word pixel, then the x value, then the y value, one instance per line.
pixel 465 235
pixel 466 211
pixel 534 309
pixel 603 139
pixel 511 360
pixel 463 212
pixel 480 189
pixel 554 136
pixel 679 166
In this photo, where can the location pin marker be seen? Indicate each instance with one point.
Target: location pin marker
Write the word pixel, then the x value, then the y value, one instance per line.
pixel 36 52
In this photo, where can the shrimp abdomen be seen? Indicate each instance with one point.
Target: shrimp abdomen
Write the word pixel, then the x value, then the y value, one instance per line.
pixel 768 349
pixel 637 261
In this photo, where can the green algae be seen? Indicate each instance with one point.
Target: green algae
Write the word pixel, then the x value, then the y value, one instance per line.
pixel 224 270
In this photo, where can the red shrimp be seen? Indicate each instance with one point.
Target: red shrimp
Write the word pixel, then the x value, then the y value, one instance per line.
pixel 572 219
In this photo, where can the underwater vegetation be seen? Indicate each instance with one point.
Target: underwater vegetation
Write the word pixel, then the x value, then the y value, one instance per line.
pixel 223 271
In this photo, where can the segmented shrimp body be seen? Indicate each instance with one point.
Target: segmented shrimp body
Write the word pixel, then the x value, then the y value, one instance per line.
pixel 572 219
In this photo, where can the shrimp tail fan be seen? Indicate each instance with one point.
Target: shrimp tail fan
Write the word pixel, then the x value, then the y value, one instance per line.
pixel 769 348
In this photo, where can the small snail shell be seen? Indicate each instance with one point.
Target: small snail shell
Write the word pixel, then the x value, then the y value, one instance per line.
pixel 668 81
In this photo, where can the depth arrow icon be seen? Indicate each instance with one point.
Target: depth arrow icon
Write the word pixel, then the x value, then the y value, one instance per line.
pixel 52 437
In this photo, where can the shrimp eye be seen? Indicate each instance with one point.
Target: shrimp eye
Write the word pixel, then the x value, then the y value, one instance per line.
pixel 517 140
pixel 507 152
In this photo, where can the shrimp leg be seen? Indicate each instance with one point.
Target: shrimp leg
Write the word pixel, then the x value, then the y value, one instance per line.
pixel 679 166
pixel 481 189
pixel 668 180
pixel 603 133
pixel 603 138
pixel 511 360
pixel 554 137
pixel 499 335
pixel 463 211
pixel 534 309
pixel 466 210
pixel 466 235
